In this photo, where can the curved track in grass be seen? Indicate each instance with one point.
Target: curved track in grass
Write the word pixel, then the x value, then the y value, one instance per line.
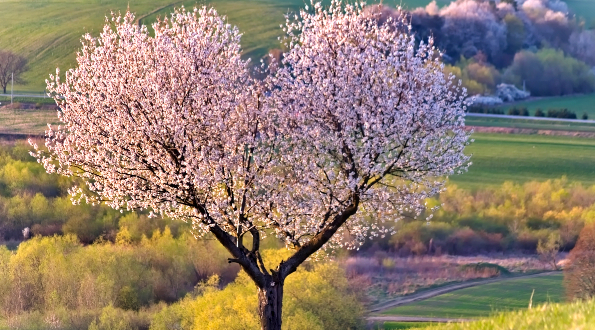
pixel 442 290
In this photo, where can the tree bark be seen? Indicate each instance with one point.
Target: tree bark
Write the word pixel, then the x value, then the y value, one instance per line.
pixel 270 301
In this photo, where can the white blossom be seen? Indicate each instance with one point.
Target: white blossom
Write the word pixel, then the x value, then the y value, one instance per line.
pixel 352 131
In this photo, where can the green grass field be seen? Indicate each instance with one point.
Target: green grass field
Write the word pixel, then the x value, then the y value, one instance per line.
pixel 47 32
pixel 514 157
pixel 577 103
pixel 527 122
pixel 485 300
pixel 571 316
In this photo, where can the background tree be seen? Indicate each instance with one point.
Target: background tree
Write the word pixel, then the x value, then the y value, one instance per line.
pixel 548 249
pixel 11 64
pixel 358 127
pixel 578 274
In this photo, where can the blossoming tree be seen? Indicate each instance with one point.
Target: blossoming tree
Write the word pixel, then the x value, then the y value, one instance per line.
pixel 352 130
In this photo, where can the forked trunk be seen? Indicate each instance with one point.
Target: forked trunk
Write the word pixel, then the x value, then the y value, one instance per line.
pixel 270 302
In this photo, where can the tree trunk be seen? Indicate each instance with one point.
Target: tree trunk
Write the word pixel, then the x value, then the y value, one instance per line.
pixel 270 302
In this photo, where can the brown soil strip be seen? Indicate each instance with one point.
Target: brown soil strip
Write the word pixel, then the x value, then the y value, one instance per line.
pixel 510 130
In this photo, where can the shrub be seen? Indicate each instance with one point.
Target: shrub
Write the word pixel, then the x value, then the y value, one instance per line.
pixel 578 273
pixel 518 111
pixel 539 113
pixel 320 298
pixel 548 249
pixel 127 299
pixel 478 76
pixel 561 113
pixel 585 116
pixel 483 266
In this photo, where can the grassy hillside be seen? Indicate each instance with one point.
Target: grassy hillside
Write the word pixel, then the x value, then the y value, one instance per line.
pixel 47 32
pixel 577 315
pixel 484 300
pixel 510 157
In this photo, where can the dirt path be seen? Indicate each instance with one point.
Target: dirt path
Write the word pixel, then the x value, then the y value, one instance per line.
pixel 442 290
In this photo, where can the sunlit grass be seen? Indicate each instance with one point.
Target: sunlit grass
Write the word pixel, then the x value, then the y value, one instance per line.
pixel 498 158
pixel 571 316
pixel 484 300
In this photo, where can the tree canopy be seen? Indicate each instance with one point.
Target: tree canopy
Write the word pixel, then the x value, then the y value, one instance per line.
pixel 352 130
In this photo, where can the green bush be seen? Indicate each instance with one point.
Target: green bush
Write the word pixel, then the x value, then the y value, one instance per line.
pixel 127 299
pixel 480 266
pixel 518 111
pixel 49 273
pixel 561 113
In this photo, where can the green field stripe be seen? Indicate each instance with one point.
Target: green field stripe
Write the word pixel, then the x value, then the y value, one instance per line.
pixel 484 300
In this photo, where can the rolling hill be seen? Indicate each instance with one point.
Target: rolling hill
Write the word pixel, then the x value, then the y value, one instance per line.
pixel 47 32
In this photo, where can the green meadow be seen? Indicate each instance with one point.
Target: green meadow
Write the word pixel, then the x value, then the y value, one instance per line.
pixel 515 157
pixel 485 300
pixel 577 103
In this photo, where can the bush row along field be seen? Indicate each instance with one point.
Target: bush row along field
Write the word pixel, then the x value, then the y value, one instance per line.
pixel 57 283
pixel 506 218
pixel 577 103
pixel 485 300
